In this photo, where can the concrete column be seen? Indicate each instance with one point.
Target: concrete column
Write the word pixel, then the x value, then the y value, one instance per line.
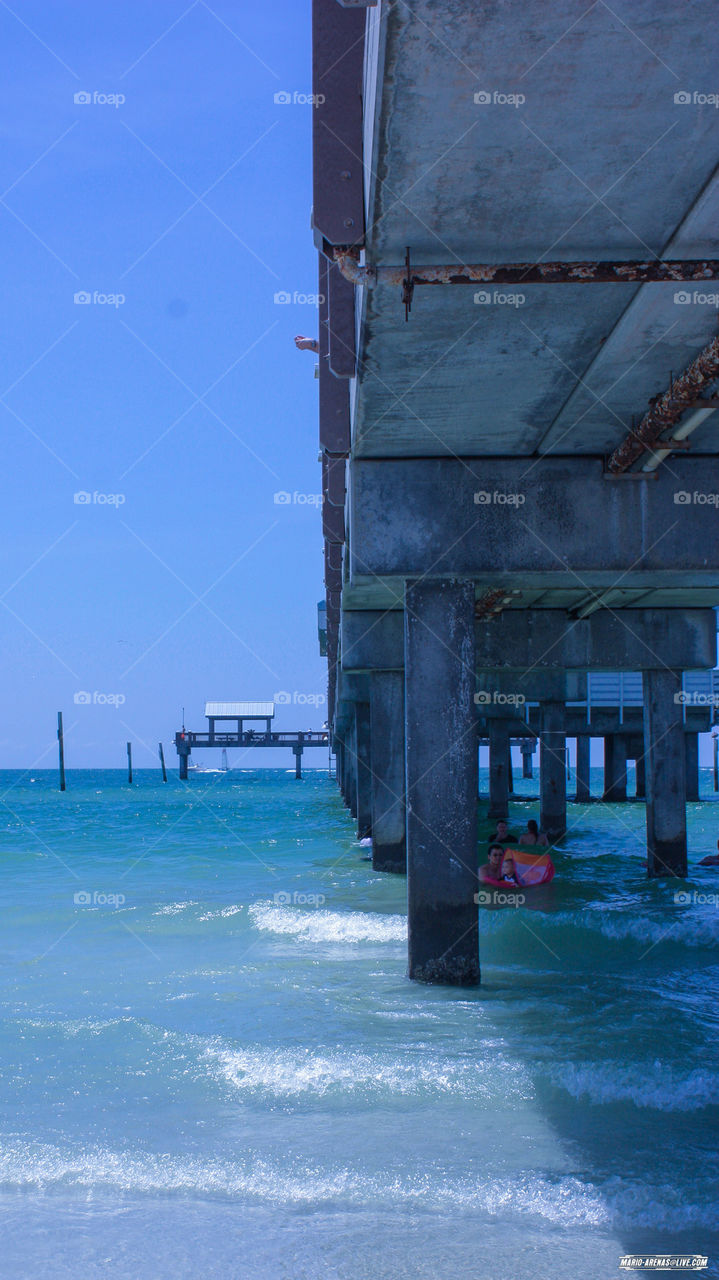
pixel 389 850
pixel 553 770
pixel 527 752
pixel 691 747
pixel 297 752
pixel 441 774
pixel 615 767
pixel 184 757
pixel 346 758
pixel 352 770
pixel 498 768
pixel 364 770
pixel 665 774
pixel 510 775
pixel 339 765
pixel 584 747
pixel 640 777
pixel 635 752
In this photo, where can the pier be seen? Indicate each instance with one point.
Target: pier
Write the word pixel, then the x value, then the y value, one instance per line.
pixel 240 714
pixel 519 477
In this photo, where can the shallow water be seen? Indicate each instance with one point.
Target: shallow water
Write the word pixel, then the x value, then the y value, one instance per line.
pixel 216 1066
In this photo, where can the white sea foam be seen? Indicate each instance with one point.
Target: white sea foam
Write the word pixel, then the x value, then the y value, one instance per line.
pixel 223 913
pixel 653 1085
pixel 564 1201
pixel 319 925
pixel 291 1073
pixel 173 908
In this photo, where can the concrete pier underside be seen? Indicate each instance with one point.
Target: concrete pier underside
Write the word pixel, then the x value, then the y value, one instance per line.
pixel 480 556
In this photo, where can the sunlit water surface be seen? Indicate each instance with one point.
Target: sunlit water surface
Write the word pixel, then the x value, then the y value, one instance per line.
pixel 216 1066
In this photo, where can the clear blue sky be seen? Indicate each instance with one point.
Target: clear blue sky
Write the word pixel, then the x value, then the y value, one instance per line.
pixel 98 398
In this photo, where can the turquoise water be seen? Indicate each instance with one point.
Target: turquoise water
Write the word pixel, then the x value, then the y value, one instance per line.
pixel 217 1068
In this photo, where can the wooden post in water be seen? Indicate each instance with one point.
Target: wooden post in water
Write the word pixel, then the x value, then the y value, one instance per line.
pixel 129 763
pixel 715 740
pixel 61 750
pixel 162 762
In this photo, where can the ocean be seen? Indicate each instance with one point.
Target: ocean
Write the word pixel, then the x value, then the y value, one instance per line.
pixel 214 1065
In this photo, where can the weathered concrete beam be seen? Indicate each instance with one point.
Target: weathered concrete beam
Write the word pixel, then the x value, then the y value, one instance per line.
pixel 533 524
pixel 548 640
pixel 500 692
pixel 337 66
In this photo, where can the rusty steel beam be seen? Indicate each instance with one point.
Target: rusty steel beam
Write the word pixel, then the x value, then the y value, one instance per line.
pixel 634 272
pixel 664 411
pixel 491 603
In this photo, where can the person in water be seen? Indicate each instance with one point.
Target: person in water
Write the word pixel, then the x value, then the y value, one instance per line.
pixel 510 871
pixel 503 835
pixel 492 869
pixel 533 835
pixel 711 860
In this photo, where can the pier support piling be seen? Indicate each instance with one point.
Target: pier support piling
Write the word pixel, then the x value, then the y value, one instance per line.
pixel 352 771
pixel 584 748
pixel 161 754
pixel 691 747
pixel 640 777
pixel 297 753
pixel 441 777
pixel 615 767
pixel 363 771
pixel 61 749
pixel 527 753
pixel 389 850
pixel 498 768
pixel 129 764
pixel 553 771
pixel 665 774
